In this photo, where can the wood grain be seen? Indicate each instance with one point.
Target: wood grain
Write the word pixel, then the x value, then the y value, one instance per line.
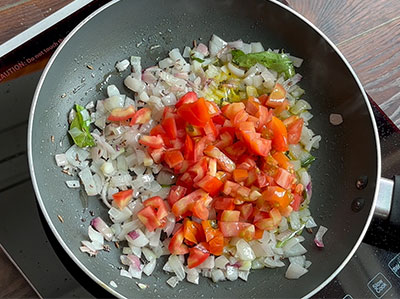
pixel 16 16
pixel 12 284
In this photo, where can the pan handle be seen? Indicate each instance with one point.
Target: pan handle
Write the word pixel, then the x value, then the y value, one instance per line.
pixel 388 203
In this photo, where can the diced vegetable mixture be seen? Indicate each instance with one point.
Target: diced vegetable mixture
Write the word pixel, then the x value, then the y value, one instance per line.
pixel 205 160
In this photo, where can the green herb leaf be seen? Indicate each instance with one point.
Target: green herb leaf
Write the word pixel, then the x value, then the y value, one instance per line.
pixel 79 128
pixel 275 61
pixel 308 161
pixel 198 59
pixel 165 186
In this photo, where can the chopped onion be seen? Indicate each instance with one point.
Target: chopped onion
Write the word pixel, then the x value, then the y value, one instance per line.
pixel 192 276
pixel 177 266
pixel 173 281
pixel 232 273
pixel 209 263
pixel 295 271
pixel 318 236
pixel 72 184
pixel 137 238
pixel 102 228
pixel 221 262
pixel 244 251
pixel 217 275
pixel 149 268
pixel 61 160
pixel 235 70
pixel 166 178
pixel 122 65
pixel 118 216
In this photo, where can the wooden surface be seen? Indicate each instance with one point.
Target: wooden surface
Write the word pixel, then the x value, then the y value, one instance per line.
pixel 366 31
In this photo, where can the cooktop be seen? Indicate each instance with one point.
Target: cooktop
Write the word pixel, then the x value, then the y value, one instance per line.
pixel 373 272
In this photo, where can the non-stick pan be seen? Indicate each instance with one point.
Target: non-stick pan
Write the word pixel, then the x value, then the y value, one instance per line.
pixel 124 28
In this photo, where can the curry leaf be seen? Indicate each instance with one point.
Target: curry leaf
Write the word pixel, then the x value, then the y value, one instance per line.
pixel 79 128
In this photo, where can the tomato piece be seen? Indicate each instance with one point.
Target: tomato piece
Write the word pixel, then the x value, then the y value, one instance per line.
pixel 258 145
pixel 230 110
pixel 121 114
pixel 258 234
pixel 218 119
pixel 173 158
pixel 246 210
pixel 157 130
pixel 200 210
pixel 294 131
pixel 264 116
pixel 198 170
pixel 224 203
pixel 149 218
pixel 232 229
pixel 191 231
pixel 265 224
pixel 152 141
pixel 247 126
pixel 197 255
pixel 122 198
pixel 210 184
pixel 225 140
pixel 216 244
pixel 235 150
pixel 157 154
pixel 240 175
pixel 283 160
pixel 158 204
pixel 240 117
pixel 230 216
pixel 141 116
pixel 213 109
pixel 175 193
pixel 230 188
pixel 276 216
pixel 195 113
pixel 169 126
pixel 187 98
pixel 295 204
pixel 230 130
pixel 176 245
pixel 276 97
pixel 262 179
pixel 284 178
pixel 186 203
pixel 279 140
pixel 210 130
pixel 222 160
pixel 210 228
pixel 252 105
pixel 212 167
pixel 188 148
pixel 253 174
pixel 247 233
pixel 277 196
pixel 199 148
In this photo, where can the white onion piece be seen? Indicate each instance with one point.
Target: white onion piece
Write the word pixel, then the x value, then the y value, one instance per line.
pixel 148 254
pixel 135 272
pixel 209 263
pixel 216 45
pixel 173 281
pixel 112 90
pixel 118 216
pixel 102 228
pixel 256 47
pixel 217 275
pixel 136 250
pixel 244 275
pixel 125 273
pixel 311 223
pixel 134 84
pixel 177 266
pixel 137 238
pixel 232 273
pixel 235 70
pixel 295 271
pixel 192 276
pixel 76 155
pixel 294 220
pixel 244 251
pixel 300 260
pixel 116 101
pixel 167 268
pixel 149 268
pixel 318 236
pixel 122 65
pixel 74 184
pixel 295 250
pixel 136 66
pixel 61 160
pixel 88 181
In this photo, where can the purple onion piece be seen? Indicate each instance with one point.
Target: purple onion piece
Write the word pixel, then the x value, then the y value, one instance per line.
pixel 133 235
pixel 318 236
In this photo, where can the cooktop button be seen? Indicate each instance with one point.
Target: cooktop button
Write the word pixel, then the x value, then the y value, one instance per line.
pixel 379 285
pixel 394 265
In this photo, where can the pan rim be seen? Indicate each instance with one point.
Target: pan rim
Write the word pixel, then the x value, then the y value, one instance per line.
pixel 60 239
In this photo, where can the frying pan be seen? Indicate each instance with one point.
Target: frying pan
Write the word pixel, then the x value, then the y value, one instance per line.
pixel 124 28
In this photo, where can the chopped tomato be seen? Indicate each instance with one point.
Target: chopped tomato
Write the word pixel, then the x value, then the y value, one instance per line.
pixel 283 160
pixel 121 114
pixel 232 229
pixel 294 131
pixel 216 244
pixel 210 228
pixel 231 110
pixel 240 117
pixel 210 184
pixel 247 233
pixel 222 160
pixel 157 154
pixel 212 167
pixel 198 170
pixel 186 203
pixel 217 119
pixel 169 126
pixel 141 116
pixel 230 216
pixel 152 141
pixel 224 203
pixel 284 178
pixel 252 105
pixel 277 196
pixel 158 204
pixel 246 210
pixel 192 231
pixel 240 175
pixel 199 148
pixel 276 216
pixel 176 245
pixel 279 140
pixel 188 149
pixel 210 130
pixel 276 97
pixel 264 115
pixel 265 224
pixel 176 193
pixel 295 204
pixel 157 130
pixel 173 158
pixel 195 113
pixel 149 218
pixel 122 198
pixel 235 150
pixel 258 234
pixel 200 210
pixel 187 98
pixel 230 188
pixel 197 255
pixel 213 109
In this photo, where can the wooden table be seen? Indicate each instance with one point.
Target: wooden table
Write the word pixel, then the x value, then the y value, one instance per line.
pixel 366 31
